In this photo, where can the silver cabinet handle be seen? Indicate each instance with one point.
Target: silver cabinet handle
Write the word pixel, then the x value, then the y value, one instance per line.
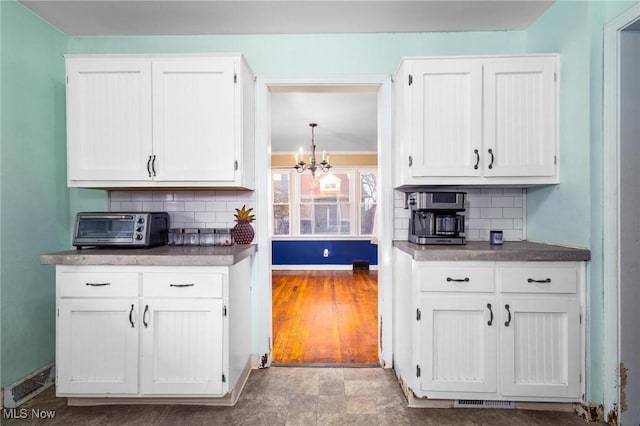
pixel 181 285
pixel 97 284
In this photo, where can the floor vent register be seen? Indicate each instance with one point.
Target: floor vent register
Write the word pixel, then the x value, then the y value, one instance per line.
pixel 28 387
pixel 479 403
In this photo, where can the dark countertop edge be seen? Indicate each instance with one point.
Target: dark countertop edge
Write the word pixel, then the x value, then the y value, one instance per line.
pixel 229 256
pixel 483 251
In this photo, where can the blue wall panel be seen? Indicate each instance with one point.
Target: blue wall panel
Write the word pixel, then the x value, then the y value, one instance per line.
pixel 341 252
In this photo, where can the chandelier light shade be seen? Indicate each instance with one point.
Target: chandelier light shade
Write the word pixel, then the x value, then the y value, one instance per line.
pixel 312 165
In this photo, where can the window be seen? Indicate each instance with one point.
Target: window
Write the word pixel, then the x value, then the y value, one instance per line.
pixel 340 203
pixel 281 203
pixel 324 204
pixel 368 198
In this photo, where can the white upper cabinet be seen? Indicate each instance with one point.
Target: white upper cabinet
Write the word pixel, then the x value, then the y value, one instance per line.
pixel 108 119
pixel 520 117
pixel 160 121
pixel 476 120
pixel 446 112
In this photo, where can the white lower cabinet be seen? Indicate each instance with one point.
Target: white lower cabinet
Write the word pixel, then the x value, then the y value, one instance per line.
pixel 458 340
pixel 181 351
pixel 145 331
pixel 97 347
pixel 489 330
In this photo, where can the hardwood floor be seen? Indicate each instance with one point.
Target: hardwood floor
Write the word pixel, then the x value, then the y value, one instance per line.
pixel 325 317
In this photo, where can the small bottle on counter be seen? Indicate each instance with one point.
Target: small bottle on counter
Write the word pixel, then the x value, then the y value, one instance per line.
pixel 495 238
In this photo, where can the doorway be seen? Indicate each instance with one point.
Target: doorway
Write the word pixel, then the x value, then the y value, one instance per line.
pixel 384 219
pixel 621 216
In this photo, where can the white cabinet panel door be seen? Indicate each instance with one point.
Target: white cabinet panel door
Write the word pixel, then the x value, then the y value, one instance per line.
pixel 194 125
pixel 458 338
pixel 520 117
pixel 108 119
pixel 446 123
pixel 97 346
pixel 182 347
pixel 540 347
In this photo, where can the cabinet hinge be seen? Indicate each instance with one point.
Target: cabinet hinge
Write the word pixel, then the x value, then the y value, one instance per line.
pixel 555 159
pixel 417 371
pixel 67 79
pixel 410 79
pixel 410 161
pixel 58 312
pixel 555 77
pixel 235 165
pixel 418 315
pixel 235 78
pixel 224 311
pixel 224 379
pixel 580 378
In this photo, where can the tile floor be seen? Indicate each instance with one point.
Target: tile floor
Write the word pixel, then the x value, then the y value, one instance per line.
pixel 293 396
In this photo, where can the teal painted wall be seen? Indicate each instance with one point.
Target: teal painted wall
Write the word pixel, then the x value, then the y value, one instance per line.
pixel 35 201
pixel 36 208
pixel 572 212
pixel 315 54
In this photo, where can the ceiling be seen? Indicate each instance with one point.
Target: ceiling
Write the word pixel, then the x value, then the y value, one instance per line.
pixel 347 120
pixel 173 17
pixel 346 117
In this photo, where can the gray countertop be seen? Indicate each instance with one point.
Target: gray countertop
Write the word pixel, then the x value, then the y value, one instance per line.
pixel 156 256
pixel 481 250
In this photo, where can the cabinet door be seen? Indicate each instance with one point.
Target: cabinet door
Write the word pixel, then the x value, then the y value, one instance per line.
pixel 182 347
pixel 458 343
pixel 194 126
pixel 108 119
pixel 446 118
pixel 540 348
pixel 520 117
pixel 97 346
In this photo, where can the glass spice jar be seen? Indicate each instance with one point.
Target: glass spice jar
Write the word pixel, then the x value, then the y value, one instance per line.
pixel 207 237
pixel 191 237
pixel 176 237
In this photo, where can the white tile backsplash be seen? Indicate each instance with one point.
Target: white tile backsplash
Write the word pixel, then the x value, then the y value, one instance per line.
pixel 487 209
pixel 187 209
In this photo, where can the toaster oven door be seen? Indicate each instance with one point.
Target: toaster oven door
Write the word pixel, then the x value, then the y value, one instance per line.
pixel 105 230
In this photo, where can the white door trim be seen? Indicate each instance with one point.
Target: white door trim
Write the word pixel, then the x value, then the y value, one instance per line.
pixel 611 202
pixel 261 296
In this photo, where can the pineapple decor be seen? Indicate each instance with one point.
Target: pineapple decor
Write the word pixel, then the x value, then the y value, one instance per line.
pixel 243 231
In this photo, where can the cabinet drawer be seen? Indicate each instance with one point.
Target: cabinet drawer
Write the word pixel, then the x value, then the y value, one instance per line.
pixel 457 279
pixel 98 284
pixel 177 284
pixel 538 279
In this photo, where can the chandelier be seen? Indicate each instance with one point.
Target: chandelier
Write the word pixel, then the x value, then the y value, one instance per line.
pixel 312 165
